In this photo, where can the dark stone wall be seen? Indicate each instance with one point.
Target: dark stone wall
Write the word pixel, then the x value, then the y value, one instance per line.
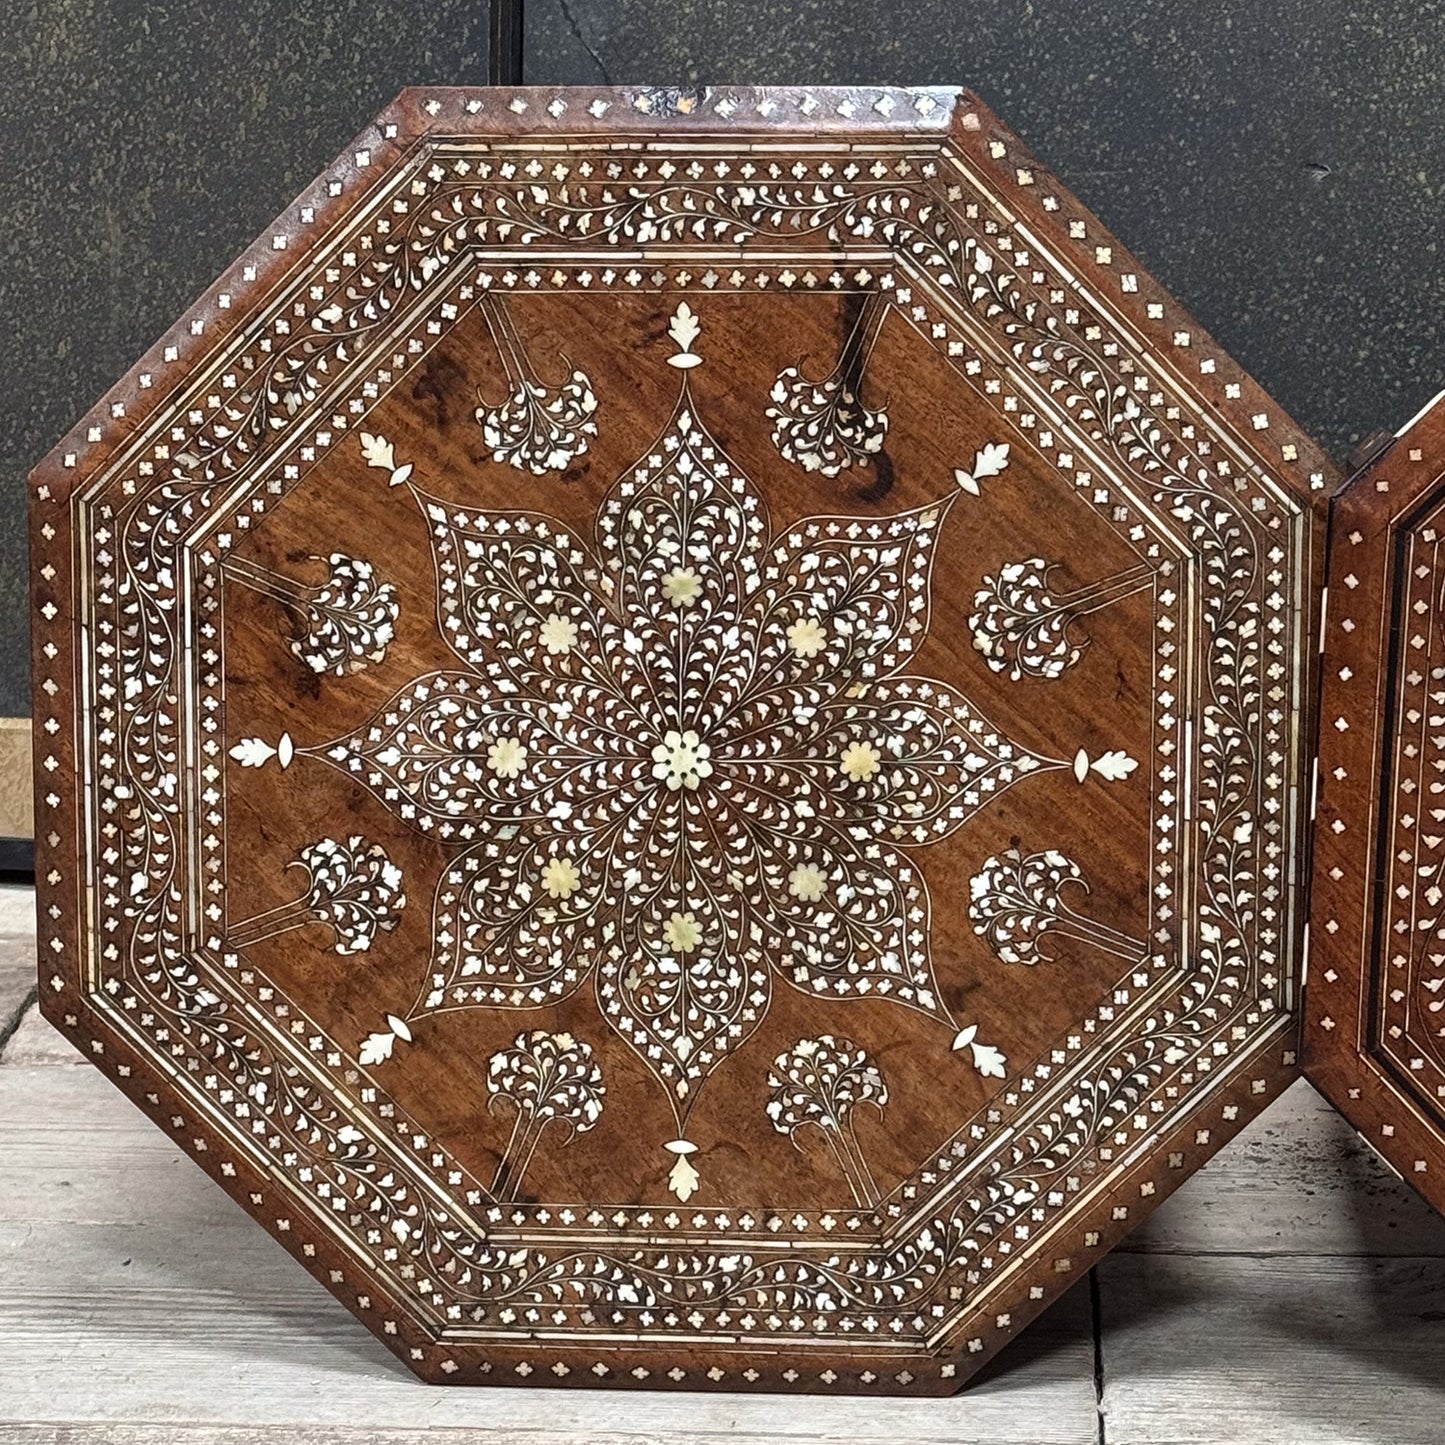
pixel 1278 164
pixel 143 145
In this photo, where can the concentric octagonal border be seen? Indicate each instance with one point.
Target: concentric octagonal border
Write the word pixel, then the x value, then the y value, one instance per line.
pixel 1373 1040
pixel 1101 369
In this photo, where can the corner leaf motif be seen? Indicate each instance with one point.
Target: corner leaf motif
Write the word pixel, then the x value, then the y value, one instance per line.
pixel 257 752
pixel 989 1061
pixel 378 452
pixel 989 461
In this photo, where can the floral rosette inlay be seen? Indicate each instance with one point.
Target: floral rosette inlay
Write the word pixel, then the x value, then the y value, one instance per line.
pixel 686 762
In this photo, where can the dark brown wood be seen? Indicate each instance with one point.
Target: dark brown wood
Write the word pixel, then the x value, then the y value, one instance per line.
pixel 1374 1018
pixel 676 736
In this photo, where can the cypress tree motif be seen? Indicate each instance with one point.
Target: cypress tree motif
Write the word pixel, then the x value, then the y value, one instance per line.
pixel 548 1079
pixel 1016 900
pixel 821 1082
pixel 536 427
pixel 823 425
pixel 352 887
pixel 1027 631
pixel 341 624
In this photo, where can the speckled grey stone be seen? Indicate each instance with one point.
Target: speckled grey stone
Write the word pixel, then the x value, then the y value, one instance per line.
pixel 145 144
pixel 1279 166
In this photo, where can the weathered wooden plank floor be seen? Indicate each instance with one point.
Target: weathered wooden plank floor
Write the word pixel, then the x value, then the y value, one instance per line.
pixel 1293 1292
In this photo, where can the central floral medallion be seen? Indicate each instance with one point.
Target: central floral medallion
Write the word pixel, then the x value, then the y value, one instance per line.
pixel 684 761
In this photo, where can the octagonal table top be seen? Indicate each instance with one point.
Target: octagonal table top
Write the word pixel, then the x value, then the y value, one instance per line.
pixel 675 735
pixel 1373 1028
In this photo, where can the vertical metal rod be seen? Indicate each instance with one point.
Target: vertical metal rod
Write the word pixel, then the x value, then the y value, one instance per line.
pixel 504 58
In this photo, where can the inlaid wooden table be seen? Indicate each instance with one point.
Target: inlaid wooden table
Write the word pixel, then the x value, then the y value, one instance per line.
pixel 1376 1030
pixel 675 734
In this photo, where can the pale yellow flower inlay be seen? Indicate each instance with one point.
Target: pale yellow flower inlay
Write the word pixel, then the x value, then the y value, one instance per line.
pixel 682 932
pixel 560 878
pixel 860 761
pixel 558 634
pixel 681 760
pixel 807 882
pixel 806 637
pixel 682 586
pixel 507 757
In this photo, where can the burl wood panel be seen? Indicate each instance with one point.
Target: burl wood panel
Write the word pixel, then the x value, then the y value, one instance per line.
pixel 1375 1031
pixel 678 736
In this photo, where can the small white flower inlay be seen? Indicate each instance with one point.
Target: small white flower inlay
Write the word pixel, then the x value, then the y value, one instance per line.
pixel 681 760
